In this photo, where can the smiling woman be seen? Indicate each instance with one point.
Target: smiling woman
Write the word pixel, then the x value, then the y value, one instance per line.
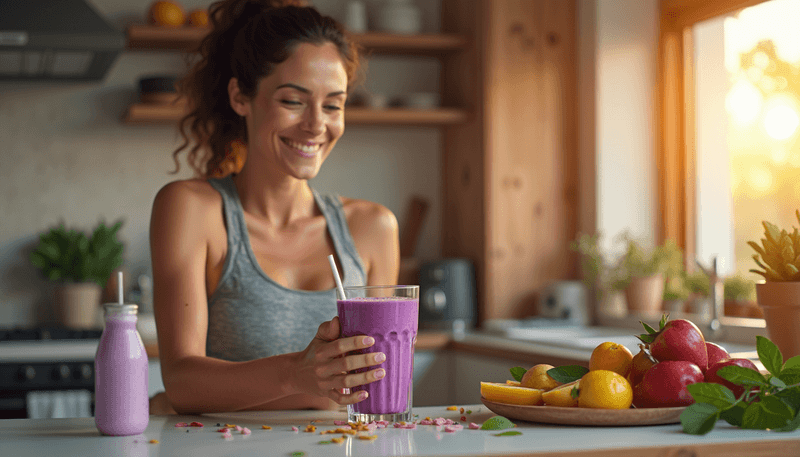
pixel 243 293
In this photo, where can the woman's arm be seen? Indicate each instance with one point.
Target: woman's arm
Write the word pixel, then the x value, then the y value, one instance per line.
pixel 196 383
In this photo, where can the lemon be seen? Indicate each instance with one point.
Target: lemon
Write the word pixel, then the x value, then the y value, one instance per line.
pixel 561 395
pixel 513 395
pixel 605 389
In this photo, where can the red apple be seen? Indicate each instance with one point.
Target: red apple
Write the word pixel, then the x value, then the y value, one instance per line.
pixel 715 353
pixel 664 385
pixel 680 340
pixel 712 376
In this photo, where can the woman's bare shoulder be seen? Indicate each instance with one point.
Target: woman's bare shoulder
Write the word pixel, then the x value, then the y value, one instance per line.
pixel 189 193
pixel 367 215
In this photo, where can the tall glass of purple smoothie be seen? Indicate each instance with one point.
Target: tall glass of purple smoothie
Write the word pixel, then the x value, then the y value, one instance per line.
pixel 390 314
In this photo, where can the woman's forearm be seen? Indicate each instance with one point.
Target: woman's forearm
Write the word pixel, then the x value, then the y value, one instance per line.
pixel 203 384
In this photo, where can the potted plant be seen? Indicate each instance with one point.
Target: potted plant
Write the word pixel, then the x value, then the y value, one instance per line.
pixel 778 296
pixel 676 292
pixel 81 265
pixel 640 271
pixel 740 297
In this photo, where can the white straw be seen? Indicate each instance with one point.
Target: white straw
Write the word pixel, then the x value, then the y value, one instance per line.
pixel 336 278
pixel 119 288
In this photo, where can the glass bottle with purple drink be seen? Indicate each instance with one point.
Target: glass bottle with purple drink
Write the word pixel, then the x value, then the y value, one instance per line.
pixel 120 366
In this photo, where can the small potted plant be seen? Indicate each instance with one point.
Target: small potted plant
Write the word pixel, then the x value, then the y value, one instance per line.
pixel 740 297
pixel 676 292
pixel 81 265
pixel 640 271
pixel 778 296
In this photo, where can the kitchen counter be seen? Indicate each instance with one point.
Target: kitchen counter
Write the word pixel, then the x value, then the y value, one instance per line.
pixel 79 437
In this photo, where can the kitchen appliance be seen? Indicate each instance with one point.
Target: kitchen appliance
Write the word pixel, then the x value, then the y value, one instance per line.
pixel 447 294
pixel 55 40
pixel 47 372
pixel 566 301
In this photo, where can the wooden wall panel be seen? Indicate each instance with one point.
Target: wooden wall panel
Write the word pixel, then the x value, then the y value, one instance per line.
pixel 522 139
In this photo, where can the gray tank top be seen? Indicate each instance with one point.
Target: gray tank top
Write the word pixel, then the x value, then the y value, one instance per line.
pixel 251 316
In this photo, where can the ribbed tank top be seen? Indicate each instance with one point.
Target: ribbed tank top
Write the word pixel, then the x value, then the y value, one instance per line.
pixel 250 315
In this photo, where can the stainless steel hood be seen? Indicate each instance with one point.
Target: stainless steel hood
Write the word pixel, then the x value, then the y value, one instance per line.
pixel 55 40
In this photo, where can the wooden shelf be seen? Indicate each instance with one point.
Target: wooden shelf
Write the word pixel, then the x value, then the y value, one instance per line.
pixel 149 37
pixel 150 113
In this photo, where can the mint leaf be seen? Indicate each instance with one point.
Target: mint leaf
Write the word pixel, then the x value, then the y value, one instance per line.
pixel 791 375
pixel 791 426
pixel 769 354
pixel 776 381
pixel 769 413
pixel 567 373
pixel 734 414
pixel 712 394
pixel 742 376
pixel 699 418
pixel 790 396
pixel 511 433
pixel 518 373
pixel 791 363
pixel 497 423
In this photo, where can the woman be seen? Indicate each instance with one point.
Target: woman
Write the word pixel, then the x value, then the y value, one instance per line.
pixel 243 291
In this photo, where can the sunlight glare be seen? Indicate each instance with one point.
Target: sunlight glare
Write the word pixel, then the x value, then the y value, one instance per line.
pixel 781 121
pixel 760 181
pixel 744 102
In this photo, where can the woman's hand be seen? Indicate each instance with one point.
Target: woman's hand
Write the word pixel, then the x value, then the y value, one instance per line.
pixel 324 368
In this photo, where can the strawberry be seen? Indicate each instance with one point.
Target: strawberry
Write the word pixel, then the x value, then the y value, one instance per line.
pixel 715 353
pixel 678 340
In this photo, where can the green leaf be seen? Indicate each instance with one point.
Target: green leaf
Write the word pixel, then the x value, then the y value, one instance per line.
pixel 497 423
pixel 734 414
pixel 663 322
pixel 769 354
pixel 790 396
pixel 567 373
pixel 511 433
pixel 712 394
pixel 792 362
pixel 518 373
pixel 699 418
pixel 769 413
pixel 790 426
pixel 791 375
pixel 776 381
pixel 647 328
pixel 645 338
pixel 742 376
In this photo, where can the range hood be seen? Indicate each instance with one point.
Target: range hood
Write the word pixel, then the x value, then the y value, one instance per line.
pixel 55 40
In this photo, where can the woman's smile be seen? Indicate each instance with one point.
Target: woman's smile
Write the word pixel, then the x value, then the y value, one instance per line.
pixel 307 149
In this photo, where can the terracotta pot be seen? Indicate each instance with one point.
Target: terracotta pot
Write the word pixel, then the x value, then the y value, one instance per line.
pixel 780 302
pixel 645 293
pixel 77 304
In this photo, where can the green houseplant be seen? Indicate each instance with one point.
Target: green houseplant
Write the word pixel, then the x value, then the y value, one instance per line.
pixel 80 264
pixel 778 296
pixel 641 271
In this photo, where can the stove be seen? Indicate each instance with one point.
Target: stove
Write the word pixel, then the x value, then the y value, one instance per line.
pixel 47 372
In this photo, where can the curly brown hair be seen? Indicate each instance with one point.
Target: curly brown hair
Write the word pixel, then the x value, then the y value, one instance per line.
pixel 248 39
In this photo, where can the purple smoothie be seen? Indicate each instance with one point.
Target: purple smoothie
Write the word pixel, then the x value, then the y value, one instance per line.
pixel 121 400
pixel 393 322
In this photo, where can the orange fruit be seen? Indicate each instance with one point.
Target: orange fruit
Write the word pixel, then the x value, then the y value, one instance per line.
pixel 611 356
pixel 167 13
pixel 537 378
pixel 513 383
pixel 639 366
pixel 561 395
pixel 513 395
pixel 198 18
pixel 604 389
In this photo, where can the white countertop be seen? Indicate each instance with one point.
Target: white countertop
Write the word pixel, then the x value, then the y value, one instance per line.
pixel 79 437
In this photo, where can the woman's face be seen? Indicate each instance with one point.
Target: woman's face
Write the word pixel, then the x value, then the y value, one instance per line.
pixel 297 115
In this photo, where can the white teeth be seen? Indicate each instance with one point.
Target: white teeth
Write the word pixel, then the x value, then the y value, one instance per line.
pixel 309 149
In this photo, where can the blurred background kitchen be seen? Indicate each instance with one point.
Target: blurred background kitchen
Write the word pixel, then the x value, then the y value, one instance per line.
pixel 503 133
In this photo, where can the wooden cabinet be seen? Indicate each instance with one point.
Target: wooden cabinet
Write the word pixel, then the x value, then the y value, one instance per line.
pixel 511 170
pixel 153 38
